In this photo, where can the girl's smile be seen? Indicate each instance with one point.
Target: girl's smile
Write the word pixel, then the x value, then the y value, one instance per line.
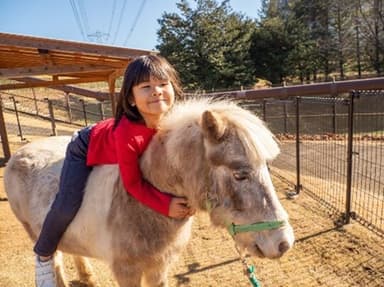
pixel 153 99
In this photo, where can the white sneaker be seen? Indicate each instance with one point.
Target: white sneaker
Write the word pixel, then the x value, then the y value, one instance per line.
pixel 45 273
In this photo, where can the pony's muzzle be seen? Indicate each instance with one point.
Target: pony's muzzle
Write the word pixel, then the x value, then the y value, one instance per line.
pixel 284 246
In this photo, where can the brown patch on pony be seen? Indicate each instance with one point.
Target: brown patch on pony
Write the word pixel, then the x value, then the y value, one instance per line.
pixel 84 270
pixel 213 126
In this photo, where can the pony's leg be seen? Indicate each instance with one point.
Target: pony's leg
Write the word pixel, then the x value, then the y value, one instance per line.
pixel 127 275
pixel 59 269
pixel 157 276
pixel 84 270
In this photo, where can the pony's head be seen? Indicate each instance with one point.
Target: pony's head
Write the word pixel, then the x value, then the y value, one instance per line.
pixel 216 154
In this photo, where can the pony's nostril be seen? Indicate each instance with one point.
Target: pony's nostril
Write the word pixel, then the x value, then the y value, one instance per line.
pixel 284 247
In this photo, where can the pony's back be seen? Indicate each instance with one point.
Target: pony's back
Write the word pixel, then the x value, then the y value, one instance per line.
pixel 108 219
pixel 31 180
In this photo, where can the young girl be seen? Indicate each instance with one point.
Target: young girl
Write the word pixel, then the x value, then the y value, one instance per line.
pixel 149 90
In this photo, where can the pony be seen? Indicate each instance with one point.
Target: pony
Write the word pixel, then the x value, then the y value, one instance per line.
pixel 213 152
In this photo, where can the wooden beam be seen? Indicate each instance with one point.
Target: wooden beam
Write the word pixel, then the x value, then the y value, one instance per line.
pixel 51 83
pixel 328 88
pixel 45 57
pixel 52 70
pixel 70 46
pixel 117 73
pixel 25 56
pixel 102 96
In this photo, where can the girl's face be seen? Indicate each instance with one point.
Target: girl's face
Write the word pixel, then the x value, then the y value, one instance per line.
pixel 153 99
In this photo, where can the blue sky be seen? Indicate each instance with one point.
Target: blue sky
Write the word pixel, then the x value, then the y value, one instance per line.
pixel 56 19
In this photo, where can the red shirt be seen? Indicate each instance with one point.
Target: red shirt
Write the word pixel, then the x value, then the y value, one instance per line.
pixel 124 145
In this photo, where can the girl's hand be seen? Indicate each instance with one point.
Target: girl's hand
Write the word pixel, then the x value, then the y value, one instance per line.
pixel 179 208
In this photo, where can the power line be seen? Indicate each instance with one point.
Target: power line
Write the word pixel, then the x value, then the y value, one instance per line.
pixel 112 17
pixel 81 18
pixel 135 21
pixel 119 23
pixel 83 15
pixel 77 18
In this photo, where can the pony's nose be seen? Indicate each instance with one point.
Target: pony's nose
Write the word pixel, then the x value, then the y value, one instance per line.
pixel 283 247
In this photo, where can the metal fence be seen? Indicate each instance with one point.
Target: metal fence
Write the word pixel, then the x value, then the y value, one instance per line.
pixel 65 113
pixel 367 182
pixel 332 148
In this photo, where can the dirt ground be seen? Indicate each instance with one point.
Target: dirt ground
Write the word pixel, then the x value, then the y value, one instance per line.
pixel 323 255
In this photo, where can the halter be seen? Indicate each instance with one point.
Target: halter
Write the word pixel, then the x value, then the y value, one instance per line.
pixel 234 229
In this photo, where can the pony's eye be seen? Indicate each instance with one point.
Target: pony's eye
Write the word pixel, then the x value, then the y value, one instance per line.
pixel 240 175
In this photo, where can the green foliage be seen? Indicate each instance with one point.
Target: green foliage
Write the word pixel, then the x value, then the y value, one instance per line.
pixel 213 47
pixel 208 44
pixel 371 24
pixel 270 49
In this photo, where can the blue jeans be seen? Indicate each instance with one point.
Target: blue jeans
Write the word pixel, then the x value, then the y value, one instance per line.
pixel 73 178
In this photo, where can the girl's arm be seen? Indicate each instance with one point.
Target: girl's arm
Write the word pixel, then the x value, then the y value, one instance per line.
pixel 130 142
pixel 143 191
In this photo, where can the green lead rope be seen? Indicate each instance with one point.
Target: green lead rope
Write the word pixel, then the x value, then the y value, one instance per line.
pixel 234 229
pixel 252 276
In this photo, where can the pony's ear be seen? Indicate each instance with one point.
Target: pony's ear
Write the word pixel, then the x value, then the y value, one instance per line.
pixel 213 126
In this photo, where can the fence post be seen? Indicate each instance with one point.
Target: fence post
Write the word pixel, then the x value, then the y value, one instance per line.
pixel 264 110
pixel 334 95
pixel 17 117
pixel 101 107
pixel 334 129
pixel 68 106
pixel 3 134
pixel 52 117
pixel 348 199
pixel 285 118
pixel 35 101
pixel 298 183
pixel 84 112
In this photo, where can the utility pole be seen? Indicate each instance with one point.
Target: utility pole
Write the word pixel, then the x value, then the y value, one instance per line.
pixel 100 37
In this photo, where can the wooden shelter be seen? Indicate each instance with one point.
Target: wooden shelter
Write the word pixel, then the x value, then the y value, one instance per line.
pixel 27 62
pixel 23 59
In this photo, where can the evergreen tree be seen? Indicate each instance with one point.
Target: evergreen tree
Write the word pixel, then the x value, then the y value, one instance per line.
pixel 213 48
pixel 270 49
pixel 208 44
pixel 372 26
pixel 282 46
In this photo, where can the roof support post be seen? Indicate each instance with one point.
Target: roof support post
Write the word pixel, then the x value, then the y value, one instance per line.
pixel 111 86
pixel 3 134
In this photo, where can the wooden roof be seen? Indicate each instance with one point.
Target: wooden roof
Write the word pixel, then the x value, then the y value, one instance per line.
pixel 25 59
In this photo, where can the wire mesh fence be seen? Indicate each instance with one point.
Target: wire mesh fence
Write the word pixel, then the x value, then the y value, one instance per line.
pixel 322 149
pixel 27 116
pixel 333 156
pixel 333 149
pixel 367 197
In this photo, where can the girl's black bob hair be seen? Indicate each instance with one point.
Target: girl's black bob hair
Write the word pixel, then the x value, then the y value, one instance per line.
pixel 138 71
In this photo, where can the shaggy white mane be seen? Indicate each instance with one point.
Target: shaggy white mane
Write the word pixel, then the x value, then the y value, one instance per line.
pixel 253 133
